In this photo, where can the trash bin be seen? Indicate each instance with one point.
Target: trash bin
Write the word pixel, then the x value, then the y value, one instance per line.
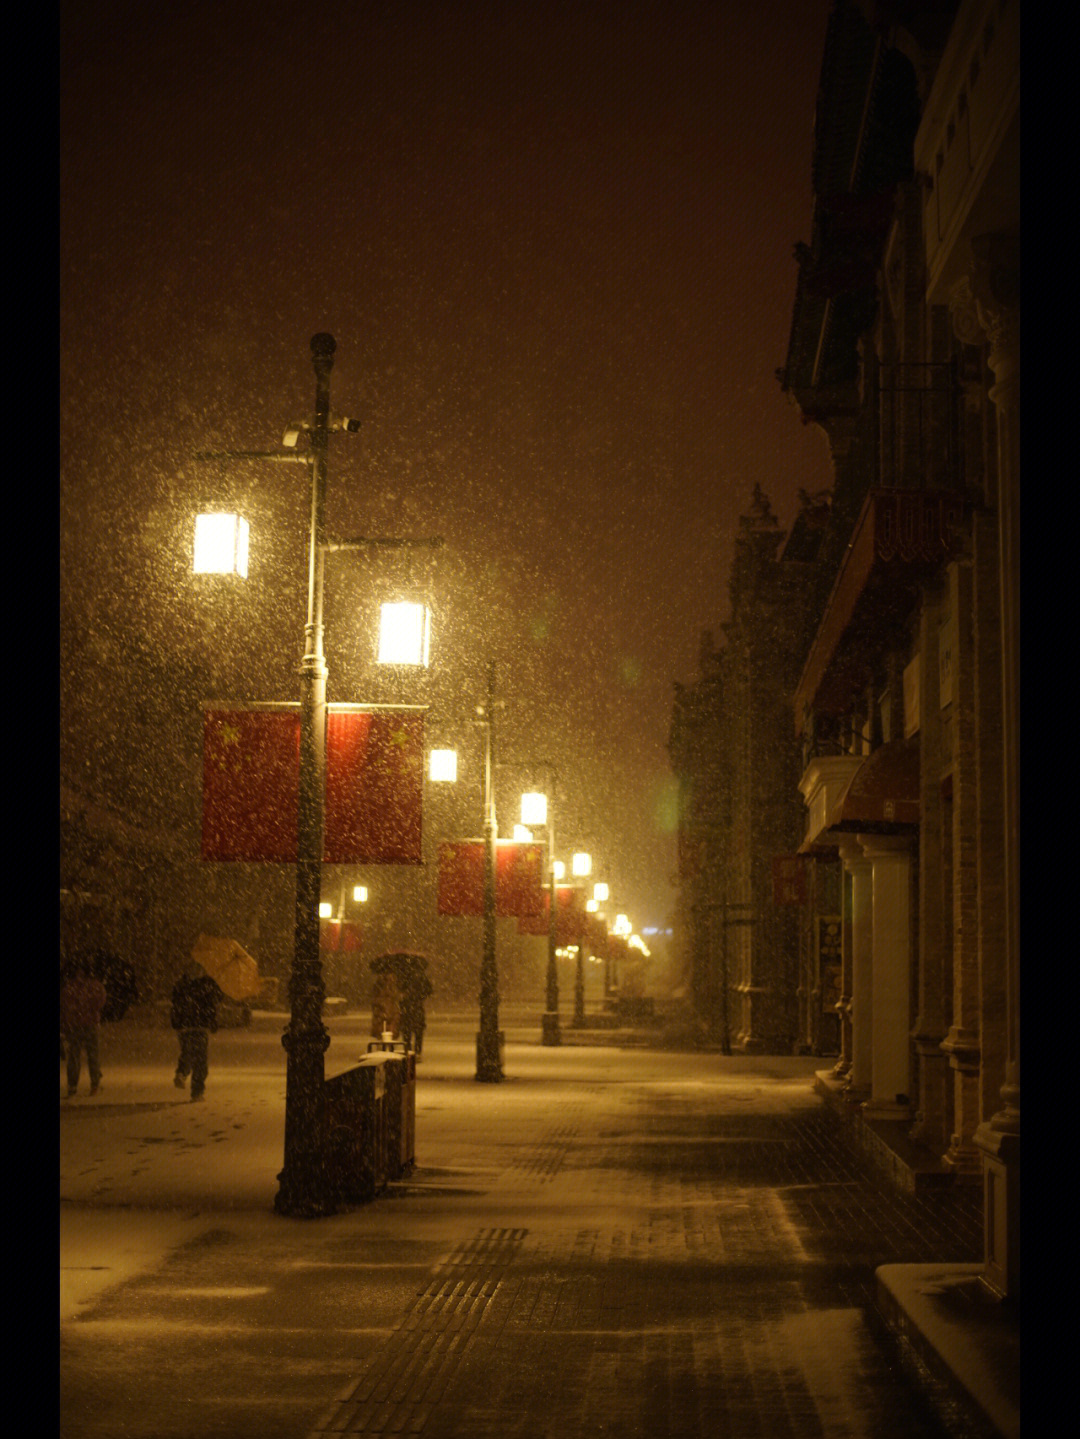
pixel 399 1105
pixel 371 1123
pixel 356 1130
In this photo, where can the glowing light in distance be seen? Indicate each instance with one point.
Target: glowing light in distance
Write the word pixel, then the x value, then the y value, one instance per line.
pixel 534 809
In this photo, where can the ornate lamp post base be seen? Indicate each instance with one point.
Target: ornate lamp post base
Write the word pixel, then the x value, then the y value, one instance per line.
pixel 489 1056
pixel 550 1032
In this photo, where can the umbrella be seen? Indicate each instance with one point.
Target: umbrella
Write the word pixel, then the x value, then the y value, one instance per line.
pixel 228 963
pixel 401 962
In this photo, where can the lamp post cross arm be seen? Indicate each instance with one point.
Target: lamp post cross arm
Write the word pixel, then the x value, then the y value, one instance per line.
pixel 287 459
pixel 432 542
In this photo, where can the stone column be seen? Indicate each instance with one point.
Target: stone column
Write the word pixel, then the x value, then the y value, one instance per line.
pixel 842 1066
pixel 962 1044
pixel 862 943
pixel 890 1071
pixel 931 1126
pixel 995 285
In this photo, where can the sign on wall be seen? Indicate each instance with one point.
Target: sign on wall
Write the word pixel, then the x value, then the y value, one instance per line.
pixel 789 879
pixel 912 698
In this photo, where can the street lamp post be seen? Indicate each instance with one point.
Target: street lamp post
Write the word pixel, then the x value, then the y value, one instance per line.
pixel 538 809
pixel 489 1040
pixel 305 1186
pixel 579 985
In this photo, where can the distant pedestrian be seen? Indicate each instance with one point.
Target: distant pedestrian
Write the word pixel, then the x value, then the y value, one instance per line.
pixel 195 998
pixel 416 987
pixel 82 999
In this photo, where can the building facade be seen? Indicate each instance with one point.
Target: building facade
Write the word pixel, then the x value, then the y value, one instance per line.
pixel 736 759
pixel 904 351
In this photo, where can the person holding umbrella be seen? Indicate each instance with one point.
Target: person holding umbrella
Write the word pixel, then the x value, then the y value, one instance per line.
pixel 415 989
pixel 401 987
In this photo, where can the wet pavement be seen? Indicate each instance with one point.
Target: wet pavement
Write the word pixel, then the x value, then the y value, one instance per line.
pixel 611 1242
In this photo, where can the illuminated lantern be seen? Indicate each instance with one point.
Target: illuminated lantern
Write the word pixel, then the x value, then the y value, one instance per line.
pixel 221 545
pixel 404 633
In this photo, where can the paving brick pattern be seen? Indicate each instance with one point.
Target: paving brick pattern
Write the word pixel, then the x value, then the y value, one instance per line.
pixel 686 1271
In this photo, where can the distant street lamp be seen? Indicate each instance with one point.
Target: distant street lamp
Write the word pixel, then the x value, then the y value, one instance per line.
pixel 489 1040
pixel 442 769
pixel 221 546
pixel 536 813
pixel 582 865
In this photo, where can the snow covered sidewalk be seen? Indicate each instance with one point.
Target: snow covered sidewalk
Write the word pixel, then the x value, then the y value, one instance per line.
pixel 610 1241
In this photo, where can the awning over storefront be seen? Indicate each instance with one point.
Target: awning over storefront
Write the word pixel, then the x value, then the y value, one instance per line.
pixel 883 792
pixel 881 796
pixel 899 538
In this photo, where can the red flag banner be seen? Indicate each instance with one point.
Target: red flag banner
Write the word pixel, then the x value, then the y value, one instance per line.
pixel 374 786
pixel 570 915
pixel 461 877
pixel 518 878
pixel 519 872
pixel 251 781
pixel 595 934
pixel 336 935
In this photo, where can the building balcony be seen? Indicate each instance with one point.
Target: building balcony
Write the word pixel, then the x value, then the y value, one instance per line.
pixel 900 537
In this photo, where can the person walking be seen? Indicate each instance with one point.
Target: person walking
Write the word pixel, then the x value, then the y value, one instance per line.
pixel 416 987
pixel 193 1013
pixel 82 999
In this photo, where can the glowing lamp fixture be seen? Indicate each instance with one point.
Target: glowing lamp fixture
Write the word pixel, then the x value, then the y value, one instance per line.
pixel 522 833
pixel 442 766
pixel 326 911
pixel 636 942
pixel 534 809
pixel 582 864
pixel 592 905
pixel 559 868
pixel 622 925
pixel 359 893
pixel 404 633
pixel 221 545
pixel 600 892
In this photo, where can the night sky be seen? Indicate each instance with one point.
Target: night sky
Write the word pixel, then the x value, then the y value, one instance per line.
pixel 554 244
